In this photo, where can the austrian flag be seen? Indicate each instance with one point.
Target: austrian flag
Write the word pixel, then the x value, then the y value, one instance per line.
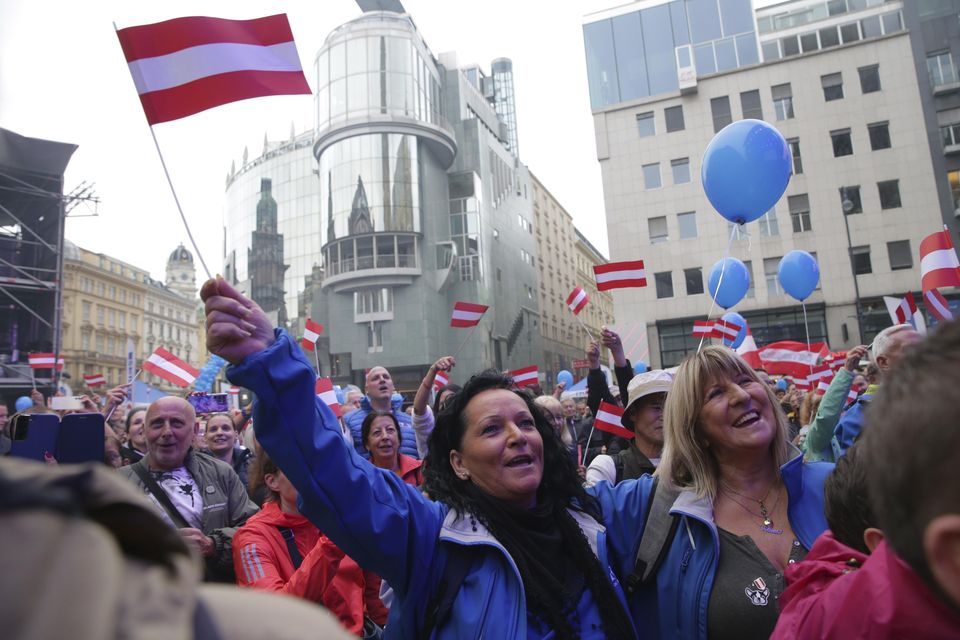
pixel 311 333
pixel 94 380
pixel 939 266
pixel 702 328
pixel 440 381
pixel 608 419
pixel 326 392
pixel 467 314
pixel 164 364
pixel 44 361
pixel 525 377
pixel 726 330
pixel 187 65
pixel 577 300
pixel 620 275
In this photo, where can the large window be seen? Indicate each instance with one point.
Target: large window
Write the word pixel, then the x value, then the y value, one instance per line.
pixel 950 134
pixel 795 152
pixel 770 268
pixel 869 78
pixel 900 255
pixel 800 213
pixel 674 118
pixel 370 301
pixel 832 84
pixel 646 126
pixel 720 108
pixel 941 69
pixel 687 222
pixel 889 194
pixel 658 229
pixel 842 143
pixel 782 101
pixel 664 283
pixel 860 256
pixel 768 224
pixel 85 310
pixel 651 176
pixel 694 280
pixel 879 135
pixel 681 170
pixel 750 104
pixel 850 202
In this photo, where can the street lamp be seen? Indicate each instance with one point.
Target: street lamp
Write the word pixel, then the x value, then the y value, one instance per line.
pixel 847 205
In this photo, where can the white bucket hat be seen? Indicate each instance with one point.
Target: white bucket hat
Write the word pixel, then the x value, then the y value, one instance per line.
pixel 645 384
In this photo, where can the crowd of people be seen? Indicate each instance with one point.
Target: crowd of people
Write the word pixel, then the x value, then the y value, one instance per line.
pixel 739 507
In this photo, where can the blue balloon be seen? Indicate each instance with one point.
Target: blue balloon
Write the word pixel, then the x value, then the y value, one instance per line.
pixel 565 377
pixel 745 170
pixel 23 403
pixel 782 384
pixel 736 281
pixel 799 274
pixel 733 316
pixel 640 367
pixel 338 390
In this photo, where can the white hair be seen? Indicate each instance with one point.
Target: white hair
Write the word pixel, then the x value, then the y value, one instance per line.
pixel 884 339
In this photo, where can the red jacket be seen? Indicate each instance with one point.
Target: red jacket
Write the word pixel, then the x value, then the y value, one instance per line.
pixel 410 470
pixel 884 600
pixel 326 576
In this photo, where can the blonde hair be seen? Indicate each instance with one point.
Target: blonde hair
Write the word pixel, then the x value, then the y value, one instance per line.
pixel 686 462
pixel 809 407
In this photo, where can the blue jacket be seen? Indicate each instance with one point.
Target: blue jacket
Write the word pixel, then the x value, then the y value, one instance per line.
pixel 677 600
pixel 850 425
pixel 384 524
pixel 408 437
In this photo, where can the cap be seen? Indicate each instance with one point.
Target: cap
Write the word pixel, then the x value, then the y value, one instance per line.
pixel 645 384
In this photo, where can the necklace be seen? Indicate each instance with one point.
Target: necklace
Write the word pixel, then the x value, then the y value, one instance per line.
pixel 767 525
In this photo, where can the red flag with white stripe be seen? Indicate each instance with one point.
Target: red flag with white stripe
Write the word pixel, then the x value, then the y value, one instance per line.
pixel 526 376
pixel 939 266
pixel 44 361
pixel 95 379
pixel 620 275
pixel 311 333
pixel 164 364
pixel 820 373
pixel 326 392
pixel 725 329
pixel 789 358
pixel 608 419
pixel 440 380
pixel 852 396
pixel 702 328
pixel 801 383
pixel 577 300
pixel 467 314
pixel 233 390
pixel 187 65
pixel 937 305
pixel 822 387
pixel 749 353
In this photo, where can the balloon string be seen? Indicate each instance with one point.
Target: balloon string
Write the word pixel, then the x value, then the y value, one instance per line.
pixel 723 268
pixel 806 329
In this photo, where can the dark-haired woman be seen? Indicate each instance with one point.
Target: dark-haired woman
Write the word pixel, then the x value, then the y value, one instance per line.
pixel 510 512
pixel 136 445
pixel 380 434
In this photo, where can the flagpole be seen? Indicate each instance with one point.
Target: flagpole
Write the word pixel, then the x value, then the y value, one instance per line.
pixel 462 344
pixel 589 440
pixel 316 357
pixel 33 379
pixel 577 316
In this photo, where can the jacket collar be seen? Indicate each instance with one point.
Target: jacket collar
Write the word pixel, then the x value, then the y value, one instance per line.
pixel 407 464
pixel 395 404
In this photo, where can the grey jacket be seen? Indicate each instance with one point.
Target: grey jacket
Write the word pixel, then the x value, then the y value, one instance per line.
pixel 226 506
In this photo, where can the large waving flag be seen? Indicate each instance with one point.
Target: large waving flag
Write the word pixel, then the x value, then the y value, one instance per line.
pixel 164 364
pixel 939 266
pixel 187 65
pixel 749 353
pixel 937 305
pixel 620 275
pixel 311 333
pixel 794 359
pixel 467 314
pixel 608 419
pixel 577 300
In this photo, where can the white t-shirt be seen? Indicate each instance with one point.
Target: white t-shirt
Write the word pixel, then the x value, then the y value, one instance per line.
pixel 603 467
pixel 183 492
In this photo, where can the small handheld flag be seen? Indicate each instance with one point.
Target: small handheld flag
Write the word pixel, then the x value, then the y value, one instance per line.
pixel 620 275
pixel 164 364
pixel 937 305
pixel 311 333
pixel 526 376
pixel 702 328
pixel 326 392
pixel 44 361
pixel 467 314
pixel 440 380
pixel 939 266
pixel 94 380
pixel 725 329
pixel 577 300
pixel 608 419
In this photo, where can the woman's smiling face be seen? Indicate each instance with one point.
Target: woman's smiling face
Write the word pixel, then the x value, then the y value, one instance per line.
pixel 737 415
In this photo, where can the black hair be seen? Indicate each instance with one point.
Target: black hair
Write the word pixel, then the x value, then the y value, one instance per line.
pixel 132 413
pixel 845 500
pixel 368 423
pixel 452 388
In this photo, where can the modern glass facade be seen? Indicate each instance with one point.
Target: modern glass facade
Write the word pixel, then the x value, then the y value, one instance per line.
pixel 639 54
pixel 504 101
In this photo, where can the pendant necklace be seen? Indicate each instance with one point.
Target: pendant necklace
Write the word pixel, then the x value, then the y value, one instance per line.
pixel 767 524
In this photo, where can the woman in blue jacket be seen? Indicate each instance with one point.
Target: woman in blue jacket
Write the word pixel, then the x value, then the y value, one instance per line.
pixel 736 506
pixel 512 543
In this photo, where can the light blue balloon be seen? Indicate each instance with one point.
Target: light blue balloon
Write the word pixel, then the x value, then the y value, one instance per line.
pixel 799 274
pixel 745 170
pixel 565 377
pixel 736 281
pixel 640 367
pixel 338 390
pixel 733 316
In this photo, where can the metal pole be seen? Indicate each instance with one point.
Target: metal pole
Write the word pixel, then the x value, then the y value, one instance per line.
pixel 58 300
pixel 847 204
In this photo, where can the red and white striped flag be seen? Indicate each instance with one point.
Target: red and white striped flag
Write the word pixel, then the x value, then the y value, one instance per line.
pixel 939 266
pixel 789 358
pixel 233 390
pixel 820 372
pixel 822 387
pixel 725 329
pixel 44 361
pixel 526 376
pixel 620 275
pixel 440 380
pixel 749 353
pixel 937 305
pixel 852 396
pixel 467 314
pixel 187 65
pixel 326 392
pixel 311 333
pixel 702 328
pixel 801 383
pixel 95 379
pixel 608 419
pixel 904 311
pixel 577 300
pixel 164 364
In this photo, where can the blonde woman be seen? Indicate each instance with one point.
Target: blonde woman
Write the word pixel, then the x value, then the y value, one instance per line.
pixel 734 506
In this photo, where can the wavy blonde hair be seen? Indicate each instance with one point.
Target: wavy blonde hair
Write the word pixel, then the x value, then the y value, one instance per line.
pixel 686 463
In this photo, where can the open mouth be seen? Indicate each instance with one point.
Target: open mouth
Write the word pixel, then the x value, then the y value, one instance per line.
pixel 520 461
pixel 747 419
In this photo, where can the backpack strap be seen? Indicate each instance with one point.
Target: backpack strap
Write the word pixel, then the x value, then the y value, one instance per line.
pixel 459 561
pixel 288 537
pixel 618 467
pixel 659 528
pixel 140 468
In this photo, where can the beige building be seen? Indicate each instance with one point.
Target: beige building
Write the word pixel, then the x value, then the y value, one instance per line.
pixel 103 302
pixel 599 312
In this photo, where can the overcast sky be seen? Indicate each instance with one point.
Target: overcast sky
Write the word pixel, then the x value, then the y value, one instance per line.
pixel 63 77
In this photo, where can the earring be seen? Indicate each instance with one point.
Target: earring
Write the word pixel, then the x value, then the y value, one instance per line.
pixel 464 475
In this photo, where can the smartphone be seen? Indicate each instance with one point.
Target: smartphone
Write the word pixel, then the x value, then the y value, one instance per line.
pixel 66 403
pixel 32 435
pixel 81 438
pixel 209 403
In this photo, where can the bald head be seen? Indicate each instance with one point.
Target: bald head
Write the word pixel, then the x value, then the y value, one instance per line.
pixel 379 388
pixel 169 428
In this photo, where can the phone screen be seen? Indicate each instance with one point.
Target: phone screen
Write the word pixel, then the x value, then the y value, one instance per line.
pixel 66 403
pixel 209 403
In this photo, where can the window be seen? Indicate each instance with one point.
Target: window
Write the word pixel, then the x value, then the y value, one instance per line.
pixel 940 67
pixel 688 224
pixel 800 213
pixel 770 268
pixel 842 144
pixel 850 32
pixel 768 224
pixel 112 318
pixel 658 229
pixel 681 170
pixel 340 364
pixel 664 282
pixel 694 280
pixel 889 194
pixel 85 341
pixel 950 134
pixel 850 200
pixel 122 318
pixel 133 323
pixel 782 101
pixel 99 342
pixel 85 311
pixel 645 124
pixel 375 337
pixel 795 152
pixel 900 256
pixel 111 346
pixel 674 118
pixel 869 78
pixel 829 37
pixel 720 107
pixel 879 135
pixel 101 314
pixel 651 176
pixel 860 256
pixel 832 84
pixel 750 104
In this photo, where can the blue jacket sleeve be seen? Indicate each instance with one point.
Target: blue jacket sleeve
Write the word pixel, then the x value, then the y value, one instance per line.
pixel 384 524
pixel 850 426
pixel 624 508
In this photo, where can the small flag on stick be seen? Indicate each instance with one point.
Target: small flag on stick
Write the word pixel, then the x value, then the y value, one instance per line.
pixel 526 376
pixel 94 380
pixel 577 300
pixel 326 392
pixel 702 328
pixel 164 364
pixel 620 275
pixel 608 419
pixel 939 266
pixel 467 314
pixel 311 333
pixel 725 329
pixel 440 380
pixel 44 361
